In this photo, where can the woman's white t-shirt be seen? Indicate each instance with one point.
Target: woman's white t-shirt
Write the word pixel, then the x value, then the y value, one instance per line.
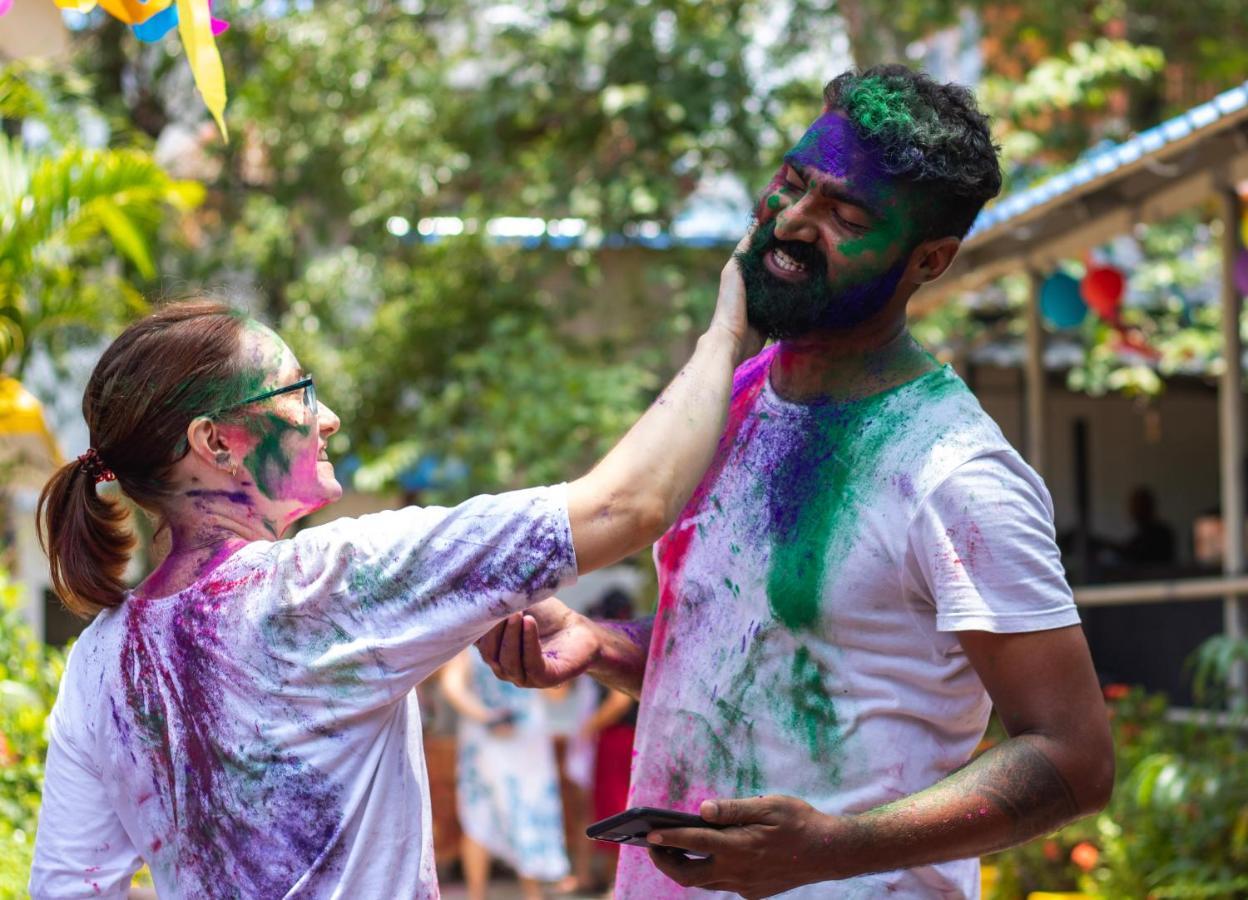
pixel 252 735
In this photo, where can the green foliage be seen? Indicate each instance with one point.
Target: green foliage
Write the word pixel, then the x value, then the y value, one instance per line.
pixel 68 215
pixel 1058 109
pixel 1177 825
pixel 30 672
pixel 497 357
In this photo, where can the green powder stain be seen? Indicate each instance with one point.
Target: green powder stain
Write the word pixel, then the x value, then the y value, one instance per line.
pixel 773 202
pixel 731 754
pixel 372 587
pixel 822 484
pixel 267 462
pixel 677 785
pixel 812 716
pixel 892 108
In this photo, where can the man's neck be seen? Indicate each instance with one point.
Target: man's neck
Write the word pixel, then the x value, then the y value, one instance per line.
pixel 848 366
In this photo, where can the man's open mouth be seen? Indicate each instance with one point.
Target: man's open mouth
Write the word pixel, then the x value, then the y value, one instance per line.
pixel 784 266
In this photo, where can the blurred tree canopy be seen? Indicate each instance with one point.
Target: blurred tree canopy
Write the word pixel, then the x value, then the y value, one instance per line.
pixel 354 121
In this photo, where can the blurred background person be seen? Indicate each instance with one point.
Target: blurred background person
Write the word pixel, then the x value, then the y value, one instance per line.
pixel 612 728
pixel 569 708
pixel 1152 540
pixel 507 785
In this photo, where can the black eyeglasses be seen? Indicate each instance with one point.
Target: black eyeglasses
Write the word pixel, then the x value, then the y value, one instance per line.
pixel 304 384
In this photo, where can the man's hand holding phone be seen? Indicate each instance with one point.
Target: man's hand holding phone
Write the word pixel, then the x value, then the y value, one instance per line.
pixel 758 847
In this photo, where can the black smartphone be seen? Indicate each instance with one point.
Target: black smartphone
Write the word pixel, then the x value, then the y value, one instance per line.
pixel 632 825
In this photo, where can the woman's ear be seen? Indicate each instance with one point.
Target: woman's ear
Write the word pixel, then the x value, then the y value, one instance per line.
pixel 212 444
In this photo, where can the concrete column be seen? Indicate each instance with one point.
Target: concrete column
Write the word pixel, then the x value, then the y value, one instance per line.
pixel 1231 426
pixel 1036 385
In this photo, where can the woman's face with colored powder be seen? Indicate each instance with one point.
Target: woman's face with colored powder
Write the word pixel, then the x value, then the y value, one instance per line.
pixel 282 443
pixel 833 236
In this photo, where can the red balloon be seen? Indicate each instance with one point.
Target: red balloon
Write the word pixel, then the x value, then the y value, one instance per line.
pixel 1102 290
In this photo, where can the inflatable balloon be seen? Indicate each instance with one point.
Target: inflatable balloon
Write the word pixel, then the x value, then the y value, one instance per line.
pixel 1102 288
pixel 1060 302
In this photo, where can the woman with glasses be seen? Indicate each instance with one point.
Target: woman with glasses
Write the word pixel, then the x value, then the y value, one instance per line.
pixel 240 720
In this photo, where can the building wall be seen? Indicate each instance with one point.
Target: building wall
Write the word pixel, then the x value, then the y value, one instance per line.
pixel 1170 445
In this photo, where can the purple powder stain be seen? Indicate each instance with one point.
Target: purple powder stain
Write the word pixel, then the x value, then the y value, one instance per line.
pixel 905 485
pixel 239 497
pixel 253 817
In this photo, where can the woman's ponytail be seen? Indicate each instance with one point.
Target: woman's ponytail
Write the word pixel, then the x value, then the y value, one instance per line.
pixel 86 539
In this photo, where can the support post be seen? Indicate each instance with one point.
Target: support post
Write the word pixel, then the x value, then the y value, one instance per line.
pixel 1231 426
pixel 1034 377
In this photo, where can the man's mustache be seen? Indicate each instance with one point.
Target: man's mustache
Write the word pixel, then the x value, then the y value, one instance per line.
pixel 804 254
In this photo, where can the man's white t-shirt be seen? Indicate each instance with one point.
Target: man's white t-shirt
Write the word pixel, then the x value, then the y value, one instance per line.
pixel 810 595
pixel 253 735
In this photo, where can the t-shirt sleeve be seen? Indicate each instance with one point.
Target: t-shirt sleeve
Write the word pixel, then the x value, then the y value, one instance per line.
pixel 395 594
pixel 981 547
pixel 81 846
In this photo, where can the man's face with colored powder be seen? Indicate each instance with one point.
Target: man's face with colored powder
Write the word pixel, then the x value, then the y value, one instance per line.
pixel 833 237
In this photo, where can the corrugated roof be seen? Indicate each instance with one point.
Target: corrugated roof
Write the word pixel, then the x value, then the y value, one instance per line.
pixel 1103 162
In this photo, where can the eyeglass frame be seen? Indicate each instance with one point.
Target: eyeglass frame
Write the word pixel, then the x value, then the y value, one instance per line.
pixel 309 398
pixel 306 383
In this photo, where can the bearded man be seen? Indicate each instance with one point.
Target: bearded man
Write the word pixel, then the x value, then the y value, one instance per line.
pixel 866 569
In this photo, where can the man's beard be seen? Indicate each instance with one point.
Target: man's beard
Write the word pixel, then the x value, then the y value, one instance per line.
pixel 783 309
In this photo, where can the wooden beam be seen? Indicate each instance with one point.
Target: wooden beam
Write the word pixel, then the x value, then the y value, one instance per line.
pixel 1231 426
pixel 1178 590
pixel 1034 376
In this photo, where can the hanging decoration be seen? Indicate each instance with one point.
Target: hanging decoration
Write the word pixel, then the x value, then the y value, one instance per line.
pixel 1060 301
pixel 1102 289
pixel 151 20
pixel 1240 271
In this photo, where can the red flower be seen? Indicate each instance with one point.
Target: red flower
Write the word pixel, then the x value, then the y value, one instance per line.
pixel 1085 856
pixel 1116 691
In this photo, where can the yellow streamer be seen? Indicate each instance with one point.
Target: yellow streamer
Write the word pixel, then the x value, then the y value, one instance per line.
pixel 82 6
pixel 132 12
pixel 195 29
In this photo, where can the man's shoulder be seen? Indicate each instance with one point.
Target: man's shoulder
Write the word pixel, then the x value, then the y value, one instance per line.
pixel 939 409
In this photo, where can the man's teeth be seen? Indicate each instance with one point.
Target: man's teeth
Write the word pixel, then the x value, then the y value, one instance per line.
pixel 786 262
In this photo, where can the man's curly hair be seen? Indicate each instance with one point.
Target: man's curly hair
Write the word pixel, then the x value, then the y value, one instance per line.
pixel 929 135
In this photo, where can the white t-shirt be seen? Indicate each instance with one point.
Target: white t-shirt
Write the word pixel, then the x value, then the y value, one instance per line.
pixel 252 736
pixel 803 643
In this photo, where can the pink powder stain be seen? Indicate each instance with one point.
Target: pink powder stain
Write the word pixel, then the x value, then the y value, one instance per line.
pixel 967 543
pixel 673 547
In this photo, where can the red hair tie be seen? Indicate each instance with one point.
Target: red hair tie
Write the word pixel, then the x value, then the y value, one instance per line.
pixel 95 466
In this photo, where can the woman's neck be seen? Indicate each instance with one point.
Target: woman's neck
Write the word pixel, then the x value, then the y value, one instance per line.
pixel 202 529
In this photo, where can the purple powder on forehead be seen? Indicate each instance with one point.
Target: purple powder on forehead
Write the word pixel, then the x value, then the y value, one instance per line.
pixel 833 146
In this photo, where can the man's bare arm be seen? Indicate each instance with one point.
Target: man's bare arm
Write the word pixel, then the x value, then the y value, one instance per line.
pixel 549 644
pixel 1057 765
